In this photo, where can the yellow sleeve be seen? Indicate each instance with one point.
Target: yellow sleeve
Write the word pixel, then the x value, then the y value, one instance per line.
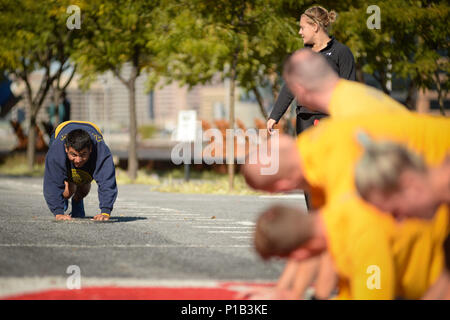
pixel 310 145
pixel 350 98
pixel 316 146
pixel 373 272
pixel 358 239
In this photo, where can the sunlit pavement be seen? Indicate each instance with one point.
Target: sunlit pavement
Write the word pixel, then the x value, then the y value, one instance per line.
pixel 155 246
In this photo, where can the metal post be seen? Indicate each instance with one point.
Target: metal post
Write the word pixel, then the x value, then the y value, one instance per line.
pixel 187 169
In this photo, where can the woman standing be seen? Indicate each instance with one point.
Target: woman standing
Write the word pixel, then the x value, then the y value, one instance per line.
pixel 315 23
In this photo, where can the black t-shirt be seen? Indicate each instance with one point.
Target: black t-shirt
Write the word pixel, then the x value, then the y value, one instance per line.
pixel 340 59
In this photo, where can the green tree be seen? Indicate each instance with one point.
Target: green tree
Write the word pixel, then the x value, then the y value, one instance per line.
pixel 245 41
pixel 411 44
pixel 35 39
pixel 120 33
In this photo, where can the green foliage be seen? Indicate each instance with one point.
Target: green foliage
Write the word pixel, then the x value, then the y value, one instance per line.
pixel 15 165
pixel 35 37
pixel 219 186
pixel 118 32
pixel 412 42
pixel 204 182
pixel 191 41
pixel 147 131
pixel 205 36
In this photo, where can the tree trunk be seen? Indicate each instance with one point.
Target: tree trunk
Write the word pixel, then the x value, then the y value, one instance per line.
pixel 411 98
pixel 132 147
pixel 440 94
pixel 275 85
pixel 230 142
pixel 31 119
pixel 359 73
pixel 382 79
pixel 31 144
pixel 384 83
pixel 56 97
pixel 260 101
pixel 58 93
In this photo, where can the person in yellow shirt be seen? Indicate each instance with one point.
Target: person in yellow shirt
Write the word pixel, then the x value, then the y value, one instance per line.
pixel 317 86
pixel 323 162
pixel 375 258
pixel 396 180
pixel 323 158
pixel 441 288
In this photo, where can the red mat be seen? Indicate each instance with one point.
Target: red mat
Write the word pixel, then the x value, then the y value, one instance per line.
pixel 224 291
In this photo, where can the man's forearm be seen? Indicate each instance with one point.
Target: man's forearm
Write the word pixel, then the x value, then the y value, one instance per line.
pixel 326 279
pixel 439 289
pixel 306 273
pixel 287 277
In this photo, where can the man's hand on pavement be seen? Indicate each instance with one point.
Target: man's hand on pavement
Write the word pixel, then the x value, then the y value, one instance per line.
pixel 101 217
pixel 62 217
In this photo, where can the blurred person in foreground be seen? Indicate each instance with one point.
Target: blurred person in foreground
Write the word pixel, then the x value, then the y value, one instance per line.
pixel 397 180
pixel 322 161
pixel 403 270
pixel 317 85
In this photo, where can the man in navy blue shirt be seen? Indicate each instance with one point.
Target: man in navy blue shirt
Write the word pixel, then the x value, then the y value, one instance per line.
pixel 78 155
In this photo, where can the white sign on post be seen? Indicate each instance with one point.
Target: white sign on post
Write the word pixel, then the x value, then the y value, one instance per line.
pixel 187 126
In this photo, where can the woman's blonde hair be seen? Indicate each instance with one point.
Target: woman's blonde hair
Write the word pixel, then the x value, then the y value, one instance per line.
pixel 321 16
pixel 381 165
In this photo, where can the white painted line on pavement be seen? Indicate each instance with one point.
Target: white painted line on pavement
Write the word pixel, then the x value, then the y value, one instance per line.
pixel 169 210
pixel 284 196
pixel 138 206
pixel 246 223
pixel 166 214
pixel 224 227
pixel 195 219
pixel 231 231
pixel 87 246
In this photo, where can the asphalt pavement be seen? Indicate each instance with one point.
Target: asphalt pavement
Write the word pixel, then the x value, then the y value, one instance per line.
pixel 151 238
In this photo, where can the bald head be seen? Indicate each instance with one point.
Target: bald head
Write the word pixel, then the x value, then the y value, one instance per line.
pixel 309 70
pixel 288 176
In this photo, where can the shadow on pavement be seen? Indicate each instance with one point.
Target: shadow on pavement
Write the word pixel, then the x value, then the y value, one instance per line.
pixel 123 219
pixel 111 220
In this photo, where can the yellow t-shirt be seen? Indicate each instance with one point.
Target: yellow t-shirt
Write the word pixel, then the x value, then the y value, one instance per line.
pixel 350 98
pixel 360 235
pixel 80 177
pixel 330 150
pixel 376 258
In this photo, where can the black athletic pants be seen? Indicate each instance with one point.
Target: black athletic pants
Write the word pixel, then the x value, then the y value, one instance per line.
pixel 304 121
